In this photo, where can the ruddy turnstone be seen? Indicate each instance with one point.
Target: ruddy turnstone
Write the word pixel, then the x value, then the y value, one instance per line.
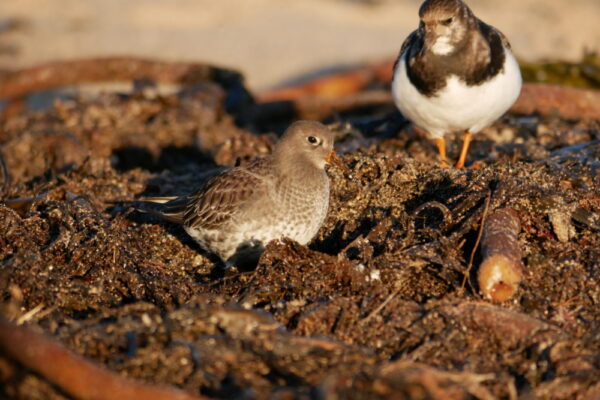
pixel 236 213
pixel 454 73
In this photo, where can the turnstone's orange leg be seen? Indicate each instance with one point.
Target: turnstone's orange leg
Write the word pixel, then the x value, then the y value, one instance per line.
pixel 441 145
pixel 463 152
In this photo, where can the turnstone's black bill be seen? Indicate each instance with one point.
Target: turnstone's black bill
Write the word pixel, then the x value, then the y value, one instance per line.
pixel 454 73
pixel 235 214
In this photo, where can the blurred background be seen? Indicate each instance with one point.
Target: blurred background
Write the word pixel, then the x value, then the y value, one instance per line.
pixel 272 41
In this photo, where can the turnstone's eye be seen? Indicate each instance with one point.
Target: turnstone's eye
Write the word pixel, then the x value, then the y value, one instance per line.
pixel 313 140
pixel 447 21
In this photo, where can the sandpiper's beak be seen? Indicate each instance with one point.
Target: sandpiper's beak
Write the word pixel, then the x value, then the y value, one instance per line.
pixel 333 159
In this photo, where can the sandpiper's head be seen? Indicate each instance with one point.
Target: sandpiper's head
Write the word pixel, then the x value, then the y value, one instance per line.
pixel 445 24
pixel 309 141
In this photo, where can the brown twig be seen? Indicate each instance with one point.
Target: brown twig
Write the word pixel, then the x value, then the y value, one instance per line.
pixel 479 235
pixel 381 306
pixel 77 376
pixel 500 272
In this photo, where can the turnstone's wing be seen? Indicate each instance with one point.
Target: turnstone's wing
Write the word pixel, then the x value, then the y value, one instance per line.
pixel 491 34
pixel 414 39
pixel 223 196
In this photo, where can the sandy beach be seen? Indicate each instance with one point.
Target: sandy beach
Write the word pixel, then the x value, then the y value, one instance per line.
pixel 271 41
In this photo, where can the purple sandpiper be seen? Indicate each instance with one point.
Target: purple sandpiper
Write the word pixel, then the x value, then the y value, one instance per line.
pixel 286 194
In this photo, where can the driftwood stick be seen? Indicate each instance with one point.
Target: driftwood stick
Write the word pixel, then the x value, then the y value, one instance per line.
pixel 334 85
pixel 19 83
pixel 77 376
pixel 501 271
pixel 566 102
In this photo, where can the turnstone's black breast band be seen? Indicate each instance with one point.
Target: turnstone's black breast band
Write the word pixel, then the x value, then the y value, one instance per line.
pixel 429 72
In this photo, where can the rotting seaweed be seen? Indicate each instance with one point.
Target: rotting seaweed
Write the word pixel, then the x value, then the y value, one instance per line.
pixel 374 306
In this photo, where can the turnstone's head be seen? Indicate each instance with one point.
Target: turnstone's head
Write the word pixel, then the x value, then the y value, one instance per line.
pixel 306 143
pixel 444 24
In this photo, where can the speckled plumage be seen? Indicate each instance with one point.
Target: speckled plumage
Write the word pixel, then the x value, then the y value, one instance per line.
pixel 454 73
pixel 236 213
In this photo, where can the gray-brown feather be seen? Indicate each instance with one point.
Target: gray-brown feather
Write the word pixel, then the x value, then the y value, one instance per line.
pixel 224 195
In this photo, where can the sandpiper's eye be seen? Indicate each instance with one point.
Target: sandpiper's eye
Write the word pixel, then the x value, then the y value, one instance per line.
pixel 313 140
pixel 447 21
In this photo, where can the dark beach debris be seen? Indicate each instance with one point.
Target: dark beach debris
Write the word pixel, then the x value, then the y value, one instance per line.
pixel 4 178
pixel 16 85
pixel 415 380
pixel 372 307
pixel 511 327
pixel 262 338
pixel 317 107
pixel 501 270
pixel 74 374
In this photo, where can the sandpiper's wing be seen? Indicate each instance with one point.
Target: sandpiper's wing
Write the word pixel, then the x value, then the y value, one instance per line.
pixel 220 198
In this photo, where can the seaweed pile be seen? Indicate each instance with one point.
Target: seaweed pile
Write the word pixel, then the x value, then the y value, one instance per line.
pixel 383 303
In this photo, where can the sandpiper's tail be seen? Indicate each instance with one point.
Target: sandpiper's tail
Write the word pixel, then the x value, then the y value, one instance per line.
pixel 168 208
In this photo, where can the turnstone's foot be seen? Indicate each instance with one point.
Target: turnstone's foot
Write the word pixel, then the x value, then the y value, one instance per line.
pixel 441 145
pixel 463 151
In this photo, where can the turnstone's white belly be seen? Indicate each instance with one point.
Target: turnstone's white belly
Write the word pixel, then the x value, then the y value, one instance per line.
pixel 457 107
